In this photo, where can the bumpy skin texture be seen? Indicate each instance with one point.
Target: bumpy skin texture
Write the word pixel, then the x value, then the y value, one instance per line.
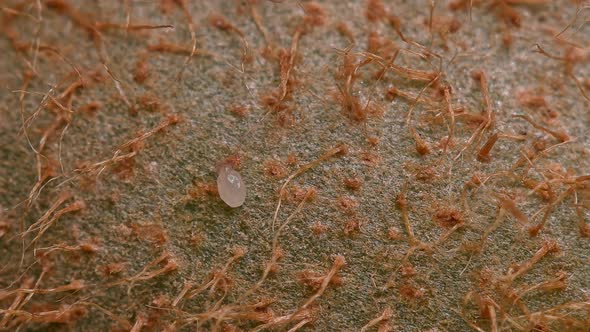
pixel 131 181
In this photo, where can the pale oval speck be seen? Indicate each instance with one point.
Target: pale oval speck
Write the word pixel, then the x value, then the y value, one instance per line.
pixel 231 187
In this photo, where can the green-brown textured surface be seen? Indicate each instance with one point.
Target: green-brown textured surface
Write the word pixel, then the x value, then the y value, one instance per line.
pixel 158 201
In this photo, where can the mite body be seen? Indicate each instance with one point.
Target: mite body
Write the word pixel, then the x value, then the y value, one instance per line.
pixel 230 186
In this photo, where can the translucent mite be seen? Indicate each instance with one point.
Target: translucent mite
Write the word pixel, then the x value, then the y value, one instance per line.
pixel 231 187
